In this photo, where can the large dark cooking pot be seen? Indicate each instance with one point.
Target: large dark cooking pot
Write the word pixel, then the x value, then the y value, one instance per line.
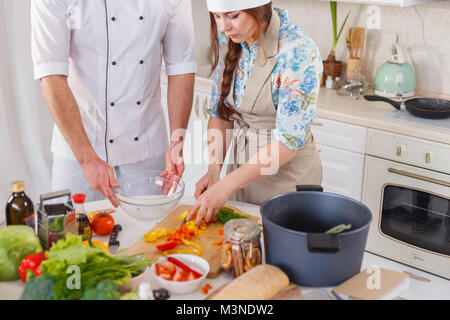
pixel 294 240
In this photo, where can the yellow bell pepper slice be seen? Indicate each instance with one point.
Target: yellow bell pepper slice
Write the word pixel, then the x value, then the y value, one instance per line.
pixel 184 215
pixel 190 225
pixel 156 234
pixel 175 251
pixel 198 249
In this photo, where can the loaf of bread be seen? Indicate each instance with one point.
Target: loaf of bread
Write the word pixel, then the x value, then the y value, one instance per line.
pixel 259 283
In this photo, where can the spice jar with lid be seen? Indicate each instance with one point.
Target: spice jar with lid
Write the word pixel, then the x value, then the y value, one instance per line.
pixel 241 249
pixel 84 226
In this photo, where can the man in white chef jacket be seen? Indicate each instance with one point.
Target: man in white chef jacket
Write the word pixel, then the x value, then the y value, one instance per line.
pixel 99 63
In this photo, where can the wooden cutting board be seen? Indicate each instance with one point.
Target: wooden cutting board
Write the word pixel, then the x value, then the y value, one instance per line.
pixel 211 235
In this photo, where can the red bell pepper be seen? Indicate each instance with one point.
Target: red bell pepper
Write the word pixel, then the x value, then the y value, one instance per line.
pixel 183 266
pixel 206 288
pixel 32 263
pixel 167 246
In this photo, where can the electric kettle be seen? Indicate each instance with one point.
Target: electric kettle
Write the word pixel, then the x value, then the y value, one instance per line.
pixel 395 79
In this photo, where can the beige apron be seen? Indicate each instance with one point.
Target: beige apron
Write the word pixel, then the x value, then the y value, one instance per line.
pixel 254 130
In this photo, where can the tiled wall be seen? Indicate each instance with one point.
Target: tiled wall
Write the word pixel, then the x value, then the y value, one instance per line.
pixel 424 30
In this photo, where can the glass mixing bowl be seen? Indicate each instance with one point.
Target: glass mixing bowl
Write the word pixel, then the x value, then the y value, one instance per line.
pixel 149 197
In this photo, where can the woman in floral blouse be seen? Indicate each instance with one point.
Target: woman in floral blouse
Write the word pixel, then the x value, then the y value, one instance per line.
pixel 266 79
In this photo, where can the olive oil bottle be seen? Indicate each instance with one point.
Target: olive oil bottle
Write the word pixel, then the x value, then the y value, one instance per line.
pixel 19 208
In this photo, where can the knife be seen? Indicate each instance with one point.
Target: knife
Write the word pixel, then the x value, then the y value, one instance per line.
pixel 113 244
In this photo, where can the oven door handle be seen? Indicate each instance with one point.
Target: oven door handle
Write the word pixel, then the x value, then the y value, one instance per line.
pixel 419 177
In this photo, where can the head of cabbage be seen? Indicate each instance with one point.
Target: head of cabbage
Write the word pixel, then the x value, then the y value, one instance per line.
pixel 16 242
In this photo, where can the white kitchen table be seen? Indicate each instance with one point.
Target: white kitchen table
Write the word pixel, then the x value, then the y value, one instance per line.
pixel 435 287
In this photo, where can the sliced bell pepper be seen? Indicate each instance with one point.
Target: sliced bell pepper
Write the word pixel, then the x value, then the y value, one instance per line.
pixel 219 243
pixel 184 215
pixel 206 288
pixel 182 233
pixel 156 234
pixel 198 249
pixel 175 251
pixel 167 246
pixel 31 263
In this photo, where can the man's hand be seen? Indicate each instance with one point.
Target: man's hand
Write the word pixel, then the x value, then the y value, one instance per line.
pixel 174 161
pixel 174 166
pixel 100 176
pixel 65 112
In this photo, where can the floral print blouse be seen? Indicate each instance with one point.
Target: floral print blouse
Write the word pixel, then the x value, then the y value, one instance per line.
pixel 295 81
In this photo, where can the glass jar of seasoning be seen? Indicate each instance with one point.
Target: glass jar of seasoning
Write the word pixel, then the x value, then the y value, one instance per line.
pixel 241 249
pixel 84 226
pixel 19 208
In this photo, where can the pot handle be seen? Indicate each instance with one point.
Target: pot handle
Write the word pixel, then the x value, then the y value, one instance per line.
pixel 323 243
pixel 309 187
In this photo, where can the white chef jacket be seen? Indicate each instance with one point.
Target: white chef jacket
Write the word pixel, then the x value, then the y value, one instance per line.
pixel 112 51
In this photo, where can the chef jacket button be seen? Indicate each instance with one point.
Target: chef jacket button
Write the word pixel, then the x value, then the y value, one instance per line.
pixel 113 19
pixel 111 141
pixel 136 138
pixel 114 63
pixel 138 103
pixel 141 61
pixel 112 104
pixel 141 18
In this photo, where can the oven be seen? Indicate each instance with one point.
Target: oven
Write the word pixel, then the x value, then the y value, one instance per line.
pixel 407 188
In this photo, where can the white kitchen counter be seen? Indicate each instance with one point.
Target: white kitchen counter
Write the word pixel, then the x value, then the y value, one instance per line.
pixel 133 230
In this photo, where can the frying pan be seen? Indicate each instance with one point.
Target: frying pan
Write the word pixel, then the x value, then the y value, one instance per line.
pixel 429 108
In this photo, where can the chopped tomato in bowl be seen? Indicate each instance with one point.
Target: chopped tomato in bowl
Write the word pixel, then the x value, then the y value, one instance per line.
pixel 181 273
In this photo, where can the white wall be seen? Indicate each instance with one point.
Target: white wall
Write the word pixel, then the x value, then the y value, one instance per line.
pixel 25 122
pixel 424 30
pixel 202 34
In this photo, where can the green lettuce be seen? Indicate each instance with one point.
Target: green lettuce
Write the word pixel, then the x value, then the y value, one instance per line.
pixel 93 267
pixel 16 242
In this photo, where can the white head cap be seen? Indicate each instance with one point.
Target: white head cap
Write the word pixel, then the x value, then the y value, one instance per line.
pixel 234 5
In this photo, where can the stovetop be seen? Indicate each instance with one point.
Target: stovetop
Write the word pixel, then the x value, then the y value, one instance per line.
pixel 404 115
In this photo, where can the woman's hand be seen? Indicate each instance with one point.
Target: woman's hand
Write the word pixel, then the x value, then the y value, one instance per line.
pixel 210 201
pixel 208 180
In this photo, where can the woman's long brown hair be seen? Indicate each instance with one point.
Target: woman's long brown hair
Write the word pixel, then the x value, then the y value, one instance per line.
pixel 262 16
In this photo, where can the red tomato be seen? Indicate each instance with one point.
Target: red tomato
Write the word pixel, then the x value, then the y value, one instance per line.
pixel 190 276
pixel 165 276
pixel 102 224
pixel 165 268
pixel 179 276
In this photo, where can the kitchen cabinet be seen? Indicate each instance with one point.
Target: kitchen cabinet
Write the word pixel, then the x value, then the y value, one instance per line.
pixel 195 146
pixel 342 151
pixel 396 3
